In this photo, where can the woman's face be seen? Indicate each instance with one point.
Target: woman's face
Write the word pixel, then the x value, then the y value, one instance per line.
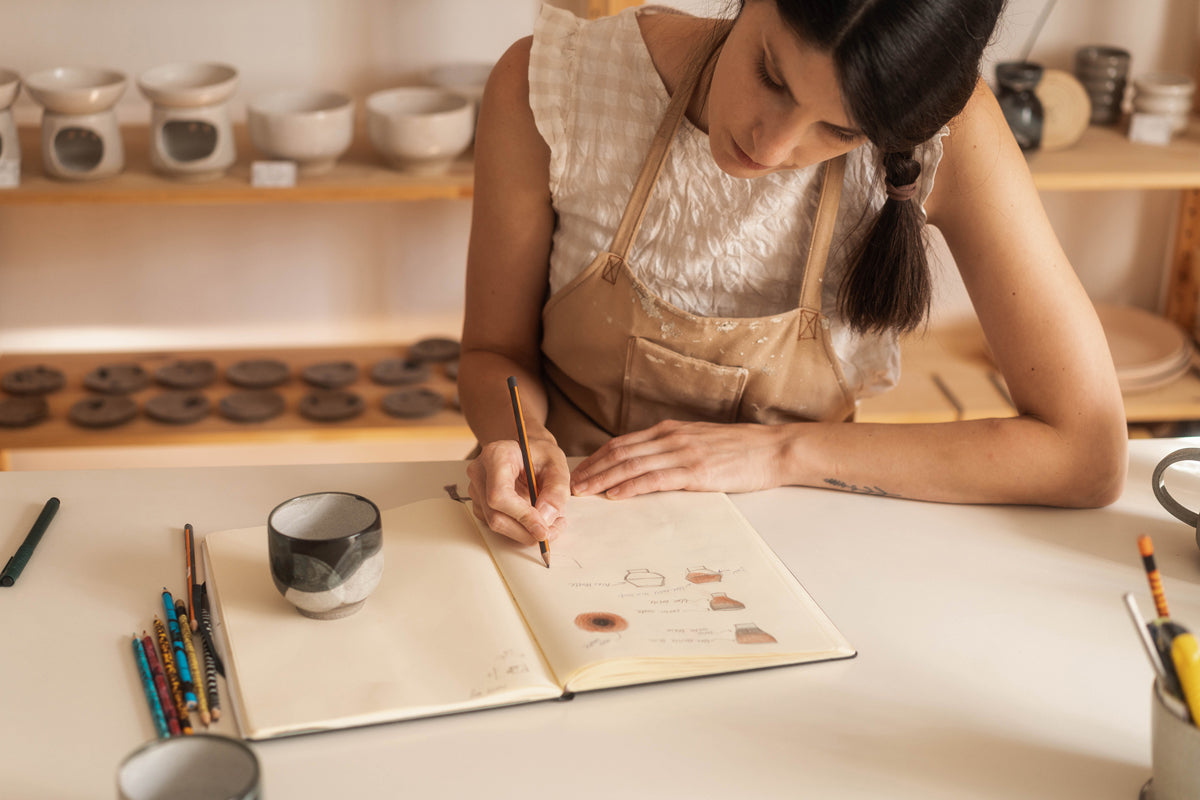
pixel 774 102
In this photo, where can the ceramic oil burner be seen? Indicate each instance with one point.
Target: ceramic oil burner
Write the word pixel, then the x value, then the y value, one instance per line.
pixel 80 136
pixel 1022 109
pixel 191 137
pixel 10 146
pixel 326 552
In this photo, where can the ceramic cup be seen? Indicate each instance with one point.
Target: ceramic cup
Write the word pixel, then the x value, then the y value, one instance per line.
pixel 203 766
pixel 326 552
pixel 10 146
pixel 1103 71
pixel 1165 94
pixel 1174 754
pixel 420 129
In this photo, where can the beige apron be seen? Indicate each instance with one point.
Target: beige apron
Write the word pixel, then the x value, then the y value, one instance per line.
pixel 618 358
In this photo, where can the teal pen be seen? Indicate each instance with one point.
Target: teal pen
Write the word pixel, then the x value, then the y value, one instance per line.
pixel 156 710
pixel 12 570
pixel 181 662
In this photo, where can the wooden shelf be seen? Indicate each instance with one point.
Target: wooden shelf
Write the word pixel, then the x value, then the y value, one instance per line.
pixel 359 176
pixel 947 375
pixel 1105 159
pixel 289 427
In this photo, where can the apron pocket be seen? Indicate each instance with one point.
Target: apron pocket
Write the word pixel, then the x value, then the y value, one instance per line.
pixel 661 384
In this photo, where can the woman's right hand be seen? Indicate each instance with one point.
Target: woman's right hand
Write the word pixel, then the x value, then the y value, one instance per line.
pixel 500 493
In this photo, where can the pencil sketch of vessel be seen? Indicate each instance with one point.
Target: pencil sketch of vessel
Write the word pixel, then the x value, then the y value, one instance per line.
pixel 749 633
pixel 702 575
pixel 644 578
pixel 723 602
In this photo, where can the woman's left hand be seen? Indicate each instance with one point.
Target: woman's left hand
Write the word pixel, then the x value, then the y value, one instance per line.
pixel 695 456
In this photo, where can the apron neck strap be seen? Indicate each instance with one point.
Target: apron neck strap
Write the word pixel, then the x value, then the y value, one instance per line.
pixel 635 209
pixel 822 234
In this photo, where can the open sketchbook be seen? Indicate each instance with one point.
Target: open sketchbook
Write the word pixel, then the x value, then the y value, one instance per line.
pixel 653 588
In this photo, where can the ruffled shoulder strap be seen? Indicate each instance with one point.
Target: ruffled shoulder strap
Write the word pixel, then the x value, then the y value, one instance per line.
pixel 553 72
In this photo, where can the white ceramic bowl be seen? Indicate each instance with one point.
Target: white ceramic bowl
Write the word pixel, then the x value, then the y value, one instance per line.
pixel 466 78
pixel 309 126
pixel 76 90
pixel 10 84
pixel 420 129
pixel 188 85
pixel 1167 94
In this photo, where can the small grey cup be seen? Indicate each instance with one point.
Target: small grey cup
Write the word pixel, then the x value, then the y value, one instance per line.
pixel 326 552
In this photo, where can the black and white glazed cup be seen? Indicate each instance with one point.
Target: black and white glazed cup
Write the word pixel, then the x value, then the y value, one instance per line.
pixel 203 765
pixel 326 552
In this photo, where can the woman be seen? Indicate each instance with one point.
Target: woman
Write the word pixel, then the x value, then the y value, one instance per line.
pixel 751 268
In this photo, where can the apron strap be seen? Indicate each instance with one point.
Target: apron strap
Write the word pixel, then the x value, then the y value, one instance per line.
pixel 635 209
pixel 822 235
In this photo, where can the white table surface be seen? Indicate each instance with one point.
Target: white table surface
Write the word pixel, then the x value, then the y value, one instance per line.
pixel 995 656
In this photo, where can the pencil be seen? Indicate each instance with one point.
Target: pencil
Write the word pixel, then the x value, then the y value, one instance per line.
pixel 189 649
pixel 181 662
pixel 12 569
pixel 523 442
pixel 156 710
pixel 160 685
pixel 172 676
pixel 212 661
pixel 1146 548
pixel 189 553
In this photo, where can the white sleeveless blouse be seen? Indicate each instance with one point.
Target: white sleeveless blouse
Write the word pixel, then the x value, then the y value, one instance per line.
pixel 710 244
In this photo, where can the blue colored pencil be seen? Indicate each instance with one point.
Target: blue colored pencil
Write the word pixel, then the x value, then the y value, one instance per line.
pixel 156 710
pixel 181 662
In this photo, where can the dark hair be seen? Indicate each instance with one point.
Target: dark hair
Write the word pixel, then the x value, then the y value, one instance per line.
pixel 906 68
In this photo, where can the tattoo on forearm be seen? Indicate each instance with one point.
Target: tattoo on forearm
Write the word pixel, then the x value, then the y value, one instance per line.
pixel 849 487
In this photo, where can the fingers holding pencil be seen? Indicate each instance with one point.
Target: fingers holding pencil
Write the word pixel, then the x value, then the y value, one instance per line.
pixel 500 497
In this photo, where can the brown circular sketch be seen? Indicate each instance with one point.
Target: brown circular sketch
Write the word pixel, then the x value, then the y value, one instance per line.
pixel 601 622
pixel 21 412
pixel 35 380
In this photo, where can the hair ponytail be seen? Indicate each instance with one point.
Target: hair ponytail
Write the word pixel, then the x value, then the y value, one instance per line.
pixel 888 286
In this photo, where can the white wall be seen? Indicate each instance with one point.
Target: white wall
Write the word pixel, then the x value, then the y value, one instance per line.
pixel 85 277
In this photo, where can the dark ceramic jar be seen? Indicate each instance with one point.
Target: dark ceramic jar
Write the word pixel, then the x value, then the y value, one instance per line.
pixel 1021 106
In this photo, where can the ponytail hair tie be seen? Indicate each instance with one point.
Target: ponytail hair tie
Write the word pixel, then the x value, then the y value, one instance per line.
pixel 900 193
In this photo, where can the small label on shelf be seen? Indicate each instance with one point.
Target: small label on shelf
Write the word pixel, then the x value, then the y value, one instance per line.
pixel 1150 128
pixel 10 174
pixel 273 174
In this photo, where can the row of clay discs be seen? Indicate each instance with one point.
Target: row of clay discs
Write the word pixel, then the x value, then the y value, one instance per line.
pixel 183 403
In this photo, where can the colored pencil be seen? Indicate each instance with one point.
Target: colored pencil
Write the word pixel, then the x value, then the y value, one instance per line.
pixel 189 553
pixel 189 650
pixel 523 442
pixel 160 684
pixel 156 711
pixel 15 565
pixel 1146 548
pixel 181 663
pixel 212 660
pixel 170 669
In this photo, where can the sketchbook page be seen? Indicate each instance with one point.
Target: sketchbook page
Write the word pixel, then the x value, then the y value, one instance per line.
pixel 666 585
pixel 439 634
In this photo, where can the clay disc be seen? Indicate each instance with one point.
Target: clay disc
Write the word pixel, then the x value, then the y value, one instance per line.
pixel 103 412
pixel 332 405
pixel 124 378
pixel 434 349
pixel 252 406
pixel 262 373
pixel 331 374
pixel 178 408
pixel 1066 106
pixel 21 412
pixel 413 403
pixel 38 379
pixel 400 372
pixel 193 373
